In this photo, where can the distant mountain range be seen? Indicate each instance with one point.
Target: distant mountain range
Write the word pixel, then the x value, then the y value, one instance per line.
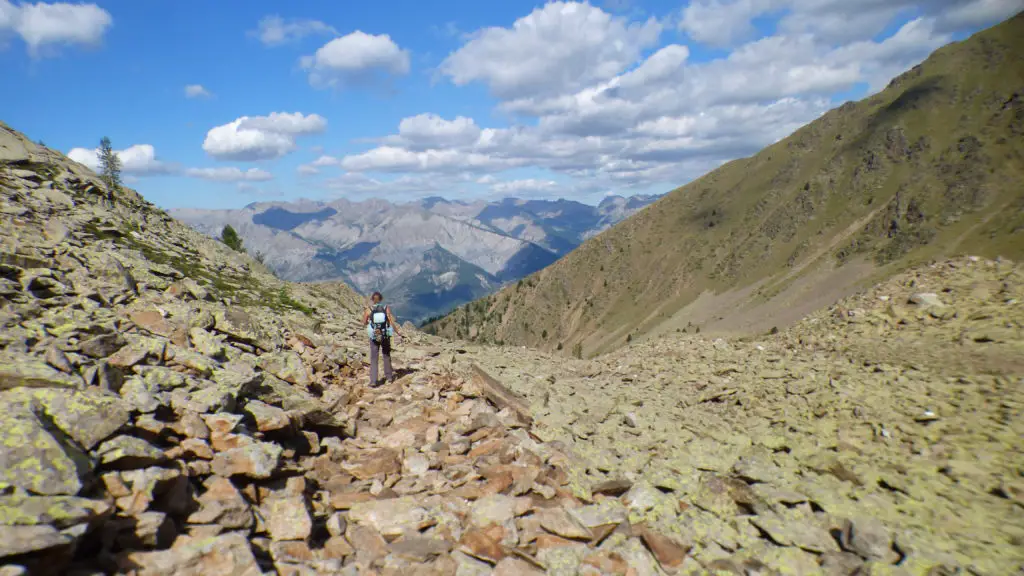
pixel 428 256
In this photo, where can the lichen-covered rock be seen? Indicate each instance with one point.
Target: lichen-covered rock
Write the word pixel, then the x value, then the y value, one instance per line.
pixel 207 399
pixel 128 452
pixel 21 371
pixel 237 324
pixel 22 539
pixel 268 418
pixel 287 517
pixel 88 416
pixel 33 459
pixel 58 511
pixel 287 366
pixel 256 460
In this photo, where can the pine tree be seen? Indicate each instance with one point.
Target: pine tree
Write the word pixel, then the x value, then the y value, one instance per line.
pixel 231 238
pixel 110 166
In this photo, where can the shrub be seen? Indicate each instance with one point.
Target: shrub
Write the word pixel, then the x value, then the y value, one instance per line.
pixel 232 239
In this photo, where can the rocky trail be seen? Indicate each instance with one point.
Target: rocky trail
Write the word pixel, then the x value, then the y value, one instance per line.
pixel 169 407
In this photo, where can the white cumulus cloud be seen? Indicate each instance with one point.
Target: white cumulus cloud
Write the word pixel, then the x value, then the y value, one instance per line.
pixel 560 46
pixel 141 160
pixel 396 159
pixel 261 137
pixel 41 25
pixel 722 22
pixel 355 57
pixel 138 159
pixel 431 130
pixel 314 167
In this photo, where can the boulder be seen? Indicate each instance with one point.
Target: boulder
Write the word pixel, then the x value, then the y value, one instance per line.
pixel 33 459
pixel 257 460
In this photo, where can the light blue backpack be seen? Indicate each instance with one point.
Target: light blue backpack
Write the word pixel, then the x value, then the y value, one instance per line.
pixel 379 327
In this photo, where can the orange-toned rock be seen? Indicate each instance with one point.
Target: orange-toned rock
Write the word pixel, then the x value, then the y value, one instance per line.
pixel 559 522
pixel 479 543
pixel 669 552
pixel 607 562
pixel 551 541
pixel 372 463
pixel 345 500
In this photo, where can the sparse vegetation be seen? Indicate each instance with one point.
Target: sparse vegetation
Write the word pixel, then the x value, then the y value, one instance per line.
pixel 110 167
pixel 284 300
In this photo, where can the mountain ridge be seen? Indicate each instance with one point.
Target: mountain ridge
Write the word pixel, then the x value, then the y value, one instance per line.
pixel 925 167
pixel 378 245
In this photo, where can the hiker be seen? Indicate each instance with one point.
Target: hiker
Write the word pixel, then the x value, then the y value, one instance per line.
pixel 380 327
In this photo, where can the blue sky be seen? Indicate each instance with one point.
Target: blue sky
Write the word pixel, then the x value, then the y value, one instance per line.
pixel 218 104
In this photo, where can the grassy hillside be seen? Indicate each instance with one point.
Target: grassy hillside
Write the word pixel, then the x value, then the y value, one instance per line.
pixel 931 166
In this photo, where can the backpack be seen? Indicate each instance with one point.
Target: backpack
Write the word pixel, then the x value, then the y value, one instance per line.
pixel 379 326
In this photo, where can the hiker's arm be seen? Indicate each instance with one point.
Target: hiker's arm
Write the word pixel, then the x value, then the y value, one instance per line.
pixel 366 316
pixel 394 325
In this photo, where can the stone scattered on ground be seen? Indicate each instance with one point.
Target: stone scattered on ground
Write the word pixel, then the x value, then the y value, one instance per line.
pixel 171 408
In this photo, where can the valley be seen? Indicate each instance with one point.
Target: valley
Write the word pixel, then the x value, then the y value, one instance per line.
pixel 808 361
pixel 171 407
pixel 427 257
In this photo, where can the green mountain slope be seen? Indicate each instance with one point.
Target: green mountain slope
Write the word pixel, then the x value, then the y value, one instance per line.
pixel 931 166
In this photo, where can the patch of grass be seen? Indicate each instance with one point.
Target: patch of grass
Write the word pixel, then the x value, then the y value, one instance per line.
pixel 284 300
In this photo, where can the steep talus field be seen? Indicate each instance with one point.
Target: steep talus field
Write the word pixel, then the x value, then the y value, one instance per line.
pixel 895 414
pixel 168 407
pixel 930 166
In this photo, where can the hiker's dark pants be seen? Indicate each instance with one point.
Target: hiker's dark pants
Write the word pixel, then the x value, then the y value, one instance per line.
pixel 375 348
